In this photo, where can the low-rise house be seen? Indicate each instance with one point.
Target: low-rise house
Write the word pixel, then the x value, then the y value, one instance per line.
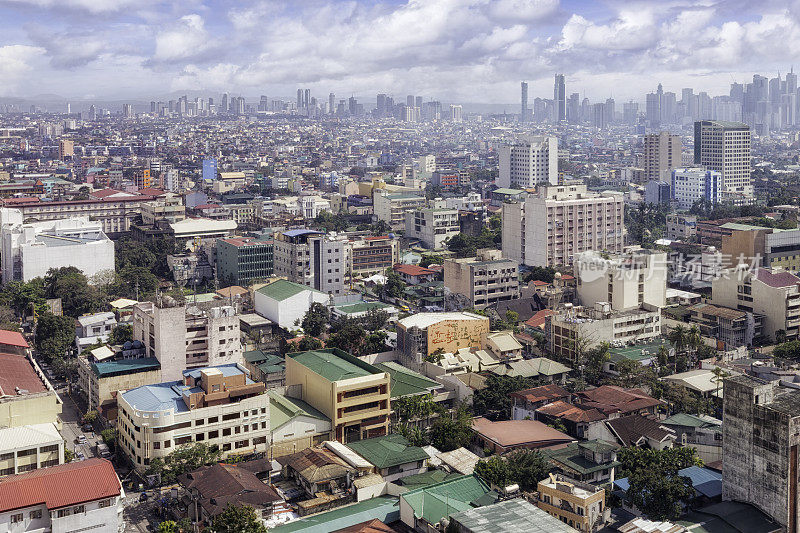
pixel 580 422
pixel 701 432
pixel 422 509
pixel 460 461
pixel 506 435
pixel 12 342
pixel 392 455
pixel 617 401
pixel 527 401
pixel 510 516
pixel 93 329
pixel 26 448
pixel 84 495
pixel 703 381
pixel 362 309
pixel 503 346
pixel 295 425
pixel 589 461
pixel 579 505
pixel 267 368
pixel 415 274
pixel 543 367
pixel 317 469
pixel 637 430
pixel 26 397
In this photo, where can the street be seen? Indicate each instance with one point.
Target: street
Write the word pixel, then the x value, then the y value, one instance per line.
pixel 70 425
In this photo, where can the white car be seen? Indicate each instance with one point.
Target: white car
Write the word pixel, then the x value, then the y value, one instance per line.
pixel 81 439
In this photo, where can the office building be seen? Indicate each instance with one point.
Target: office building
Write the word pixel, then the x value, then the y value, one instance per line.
pixel 432 227
pixel 627 281
pixel 26 448
pixel 548 228
pixel 422 334
pixel 690 185
pixel 217 405
pixel 456 113
pixel 372 255
pixel 184 336
pixel 529 162
pixel 759 447
pixel 312 258
pixel 523 113
pixel 244 260
pixel 483 280
pixel 169 208
pixel 559 99
pixel 84 495
pixel 657 192
pixel 725 148
pixel 353 394
pixel 391 207
pixel 662 153
pixel 30 250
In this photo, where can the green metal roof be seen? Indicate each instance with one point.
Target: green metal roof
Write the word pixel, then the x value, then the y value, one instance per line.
pixel 389 450
pixel 259 356
pixel 282 409
pixel 283 289
pixel 689 420
pixel 384 508
pixel 572 458
pixel 406 382
pixel 428 478
pixel 361 307
pixel 443 499
pixel 634 353
pixel 125 366
pixel 334 364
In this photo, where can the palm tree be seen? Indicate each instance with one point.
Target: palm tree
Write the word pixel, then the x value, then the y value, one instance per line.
pixel 678 338
pixel 720 374
pixel 693 339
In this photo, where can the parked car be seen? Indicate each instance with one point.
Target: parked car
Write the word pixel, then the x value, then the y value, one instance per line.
pixel 80 439
pixel 87 427
pixel 80 456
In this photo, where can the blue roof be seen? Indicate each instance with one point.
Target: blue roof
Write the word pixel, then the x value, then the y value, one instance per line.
pixel 704 480
pixel 160 397
pixel 298 232
pixel 227 370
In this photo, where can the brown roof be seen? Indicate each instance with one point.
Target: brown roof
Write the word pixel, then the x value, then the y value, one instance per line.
pixel 233 290
pixel 60 486
pixel 413 270
pixel 370 526
pixel 715 310
pixel 512 433
pixel 613 399
pixel 222 484
pixel 538 394
pixel 776 279
pixel 316 464
pixel 570 412
pixel 630 430
pixel 13 338
pixel 17 374
pixel 538 320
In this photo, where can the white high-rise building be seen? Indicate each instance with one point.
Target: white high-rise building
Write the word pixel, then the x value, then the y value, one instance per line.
pixel 725 148
pixel 689 185
pixel 529 162
pixel 456 113
pixel 634 279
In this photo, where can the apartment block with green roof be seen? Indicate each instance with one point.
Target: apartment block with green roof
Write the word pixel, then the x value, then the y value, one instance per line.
pixel 354 394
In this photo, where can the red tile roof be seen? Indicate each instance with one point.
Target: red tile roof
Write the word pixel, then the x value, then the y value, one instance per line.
pixel 413 270
pixel 60 486
pixel 570 412
pixel 537 320
pixel 21 200
pixel 152 191
pixel 776 279
pixel 567 276
pixel 370 526
pixel 538 394
pixel 540 283
pixel 16 372
pixel 13 338
pixel 612 399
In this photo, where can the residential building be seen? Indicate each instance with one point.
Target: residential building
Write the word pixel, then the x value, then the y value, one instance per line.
pixel 268 368
pixel 422 334
pixel 657 192
pixel 371 255
pixel 81 495
pixel 312 258
pixel 26 398
pixel 527 401
pixel 725 148
pixel 759 447
pixel 662 153
pixel 692 185
pixel 701 432
pixel 419 513
pixel 29 250
pixel 100 380
pixel 284 302
pixel 529 162
pixel 616 401
pixel 168 208
pixel 391 207
pixel 414 274
pixel 681 227
pixel 353 394
pixel 183 337
pixel 484 280
pixel 319 469
pixel 93 329
pixel 772 294
pixel 579 505
pixel 509 516
pixel 12 342
pixel 218 405
pixel 26 448
pixel 244 260
pixel 432 227
pixel 590 461
pixel 295 425
pixel 641 431
pixel 392 455
pixel 549 228
pixel 506 435
pixel 631 280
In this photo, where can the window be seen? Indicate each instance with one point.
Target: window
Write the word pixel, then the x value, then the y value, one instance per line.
pixel 49 449
pixel 35 514
pixel 64 512
pixel 16 518
pixel 79 509
pixel 105 503
pixel 23 453
pixel 213 419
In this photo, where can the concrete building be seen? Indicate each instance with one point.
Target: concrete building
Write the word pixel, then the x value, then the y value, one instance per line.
pixel 730 327
pixel 353 394
pixel 183 337
pixel 101 380
pixel 244 260
pixel 529 162
pixel 217 405
pixel 30 250
pixel 422 334
pixel 391 207
pixel 631 280
pixel 484 280
pixel 312 258
pixel 284 302
pixel 760 246
pixel 549 228
pixel 693 184
pixel 84 495
pixel 392 455
pixel 295 425
pixel 662 153
pixel 725 148
pixel 775 294
pixel 760 439
pixel 433 227
pixel 168 207
pixel 26 397
pixel 27 448
pixel 579 505
pixel 372 255
pixel 681 227
pixel 657 192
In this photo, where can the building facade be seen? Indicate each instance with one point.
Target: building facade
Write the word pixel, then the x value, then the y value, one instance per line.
pixel 484 280
pixel 690 185
pixel 662 153
pixel 312 258
pixel 27 448
pixel 422 334
pixel 391 207
pixel 433 227
pixel 529 162
pixel 627 281
pixel 372 255
pixel 725 148
pixel 244 260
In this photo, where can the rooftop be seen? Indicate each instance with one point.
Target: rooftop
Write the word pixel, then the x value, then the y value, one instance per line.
pixel 17 375
pixel 13 338
pixel 125 366
pixel 509 433
pixel 406 382
pixel 361 307
pixel 29 436
pixel 333 364
pixel 434 502
pixel 389 450
pixel 283 409
pixel 424 320
pixel 777 279
pixel 384 508
pixel 282 289
pixel 510 516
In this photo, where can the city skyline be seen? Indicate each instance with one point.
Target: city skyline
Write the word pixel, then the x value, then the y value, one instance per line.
pixel 458 51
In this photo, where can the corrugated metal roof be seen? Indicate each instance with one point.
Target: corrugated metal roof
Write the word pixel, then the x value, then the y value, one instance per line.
pixel 283 289
pixel 29 436
pixel 510 516
pixel 389 450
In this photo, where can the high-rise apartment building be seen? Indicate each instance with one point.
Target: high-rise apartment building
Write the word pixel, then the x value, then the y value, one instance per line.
pixel 523 113
pixel 725 148
pixel 456 113
pixel 662 153
pixel 626 281
pixel 66 148
pixel 549 228
pixel 559 99
pixel 529 162
pixel 484 280
pixel 311 258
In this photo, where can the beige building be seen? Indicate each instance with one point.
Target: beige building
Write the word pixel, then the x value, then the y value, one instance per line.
pixel 26 398
pixel 354 395
pixel 182 337
pixel 217 405
pixel 662 153
pixel 168 207
pixel 725 148
pixel 548 229
pixel 422 334
pixel 27 448
pixel 433 227
pixel 311 258
pixel 634 279
pixel 578 505
pixel 775 294
pixel 295 425
pixel 484 280
pixel 100 380
pixel 372 255
pixel 392 207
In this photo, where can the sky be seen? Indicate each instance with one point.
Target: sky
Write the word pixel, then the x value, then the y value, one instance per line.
pixel 474 51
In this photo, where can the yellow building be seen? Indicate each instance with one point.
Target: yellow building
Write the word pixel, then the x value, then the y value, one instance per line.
pixel 579 505
pixel 100 380
pixel 25 396
pixel 422 334
pixel 353 394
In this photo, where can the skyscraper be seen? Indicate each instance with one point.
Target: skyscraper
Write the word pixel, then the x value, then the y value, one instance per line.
pixel 299 99
pixel 630 113
pixel 332 104
pixel 523 113
pixel 410 100
pixel 725 147
pixel 418 102
pixel 307 99
pixel 662 153
pixel 455 113
pixel 559 99
pixel 223 105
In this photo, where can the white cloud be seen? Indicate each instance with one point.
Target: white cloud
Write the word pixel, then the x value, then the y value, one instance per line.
pixel 187 39
pixel 91 6
pixel 15 62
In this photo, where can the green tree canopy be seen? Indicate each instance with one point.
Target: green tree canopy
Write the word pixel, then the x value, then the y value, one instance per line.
pixel 494 401
pixel 238 519
pixel 184 459
pixel 54 335
pixel 315 321
pixel 447 433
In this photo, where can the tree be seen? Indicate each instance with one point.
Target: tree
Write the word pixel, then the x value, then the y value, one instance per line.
pixel 238 519
pixel 69 455
pixel 21 296
pixel 375 319
pixel 330 222
pixel 448 434
pixel 90 416
pixel 348 337
pixel 788 350
pixel 69 284
pixel 316 319
pixel 431 259
pixel 374 342
pixel 780 336
pixel 527 467
pixel 633 459
pixel 184 459
pixel 168 526
pixel 134 281
pixel 395 286
pixel 494 471
pixel 54 335
pixel 121 334
pixel 546 274
pixel 660 494
pixel 109 437
pixel 678 338
pixel 494 401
